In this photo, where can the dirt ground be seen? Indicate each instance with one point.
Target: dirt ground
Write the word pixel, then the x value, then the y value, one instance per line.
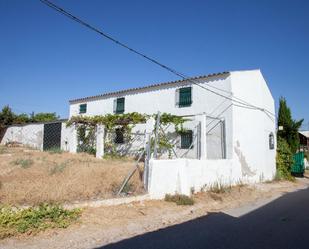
pixel 104 225
pixel 29 177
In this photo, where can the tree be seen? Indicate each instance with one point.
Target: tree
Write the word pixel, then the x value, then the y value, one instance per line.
pixel 284 160
pixel 290 126
pixel 22 119
pixel 44 117
pixel 7 116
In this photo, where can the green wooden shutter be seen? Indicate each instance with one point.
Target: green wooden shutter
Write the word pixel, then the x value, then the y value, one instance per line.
pixel 82 108
pixel 186 139
pixel 185 96
pixel 120 106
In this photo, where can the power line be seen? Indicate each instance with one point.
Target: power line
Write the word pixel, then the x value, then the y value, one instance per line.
pixel 181 75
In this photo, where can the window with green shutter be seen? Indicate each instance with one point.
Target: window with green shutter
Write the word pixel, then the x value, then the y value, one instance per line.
pixel 185 96
pixel 82 108
pixel 119 106
pixel 186 139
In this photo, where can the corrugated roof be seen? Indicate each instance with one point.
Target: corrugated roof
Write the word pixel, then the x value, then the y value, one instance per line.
pixel 146 87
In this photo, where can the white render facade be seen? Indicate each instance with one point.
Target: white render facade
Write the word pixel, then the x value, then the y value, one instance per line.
pixel 249 132
pixel 246 129
pixel 250 146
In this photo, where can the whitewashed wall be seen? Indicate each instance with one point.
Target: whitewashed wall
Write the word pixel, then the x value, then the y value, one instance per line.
pixel 249 157
pixel 162 98
pixel 251 128
pixel 68 138
pixel 30 135
pixel 184 176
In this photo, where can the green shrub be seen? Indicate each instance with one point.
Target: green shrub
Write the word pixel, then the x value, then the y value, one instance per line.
pixel 24 163
pixel 35 219
pixel 179 199
pixel 55 150
pixel 58 168
pixel 284 160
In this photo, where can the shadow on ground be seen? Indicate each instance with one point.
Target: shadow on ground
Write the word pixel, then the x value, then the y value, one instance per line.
pixel 283 223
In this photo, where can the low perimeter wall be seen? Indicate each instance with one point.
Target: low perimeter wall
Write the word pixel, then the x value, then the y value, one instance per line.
pixel 183 176
pixel 30 135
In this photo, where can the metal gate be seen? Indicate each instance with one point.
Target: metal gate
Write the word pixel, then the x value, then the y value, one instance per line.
pixel 298 167
pixel 52 136
pixel 216 148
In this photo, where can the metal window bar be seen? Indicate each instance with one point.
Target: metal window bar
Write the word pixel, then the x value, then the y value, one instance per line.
pixel 190 147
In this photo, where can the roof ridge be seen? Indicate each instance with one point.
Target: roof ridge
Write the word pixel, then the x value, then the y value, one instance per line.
pixel 147 87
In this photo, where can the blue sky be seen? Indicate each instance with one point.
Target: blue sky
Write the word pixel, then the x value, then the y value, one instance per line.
pixel 46 59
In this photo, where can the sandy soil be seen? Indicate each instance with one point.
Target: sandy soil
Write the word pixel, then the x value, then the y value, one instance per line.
pixel 29 177
pixel 104 225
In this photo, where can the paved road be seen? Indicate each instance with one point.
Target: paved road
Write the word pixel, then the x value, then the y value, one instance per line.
pixel 281 224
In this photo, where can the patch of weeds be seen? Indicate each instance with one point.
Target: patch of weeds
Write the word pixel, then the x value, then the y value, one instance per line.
pixel 179 199
pixel 114 188
pixel 241 184
pixel 55 150
pixel 215 196
pixel 58 168
pixel 3 150
pixel 32 220
pixel 115 156
pixel 280 175
pixel 23 163
pixel 192 190
pixel 128 188
pixel 220 188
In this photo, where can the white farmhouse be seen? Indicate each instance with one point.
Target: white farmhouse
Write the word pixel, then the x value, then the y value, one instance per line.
pixel 234 112
pixel 241 100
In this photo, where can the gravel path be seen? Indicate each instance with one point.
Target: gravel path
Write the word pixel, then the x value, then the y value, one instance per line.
pixel 104 225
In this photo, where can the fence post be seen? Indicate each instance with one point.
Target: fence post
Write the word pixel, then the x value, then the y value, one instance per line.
pixel 99 141
pixel 147 158
pixel 223 139
pixel 203 136
pixel 156 135
pixel 73 142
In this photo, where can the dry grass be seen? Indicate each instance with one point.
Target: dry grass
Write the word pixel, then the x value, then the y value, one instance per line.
pixel 29 177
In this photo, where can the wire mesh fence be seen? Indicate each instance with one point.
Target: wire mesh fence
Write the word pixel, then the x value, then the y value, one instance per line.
pixel 215 138
pixel 42 136
pixel 169 143
pixel 119 143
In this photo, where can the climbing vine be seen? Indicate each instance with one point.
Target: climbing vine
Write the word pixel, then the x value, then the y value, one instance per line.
pixel 169 119
pixel 164 141
pixel 86 139
pixel 86 128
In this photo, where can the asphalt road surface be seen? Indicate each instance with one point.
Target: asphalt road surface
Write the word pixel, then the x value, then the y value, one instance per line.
pixel 282 223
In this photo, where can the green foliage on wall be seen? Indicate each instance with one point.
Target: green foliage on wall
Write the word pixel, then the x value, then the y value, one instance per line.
pixel 289 125
pixel 126 122
pixel 284 160
pixel 86 139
